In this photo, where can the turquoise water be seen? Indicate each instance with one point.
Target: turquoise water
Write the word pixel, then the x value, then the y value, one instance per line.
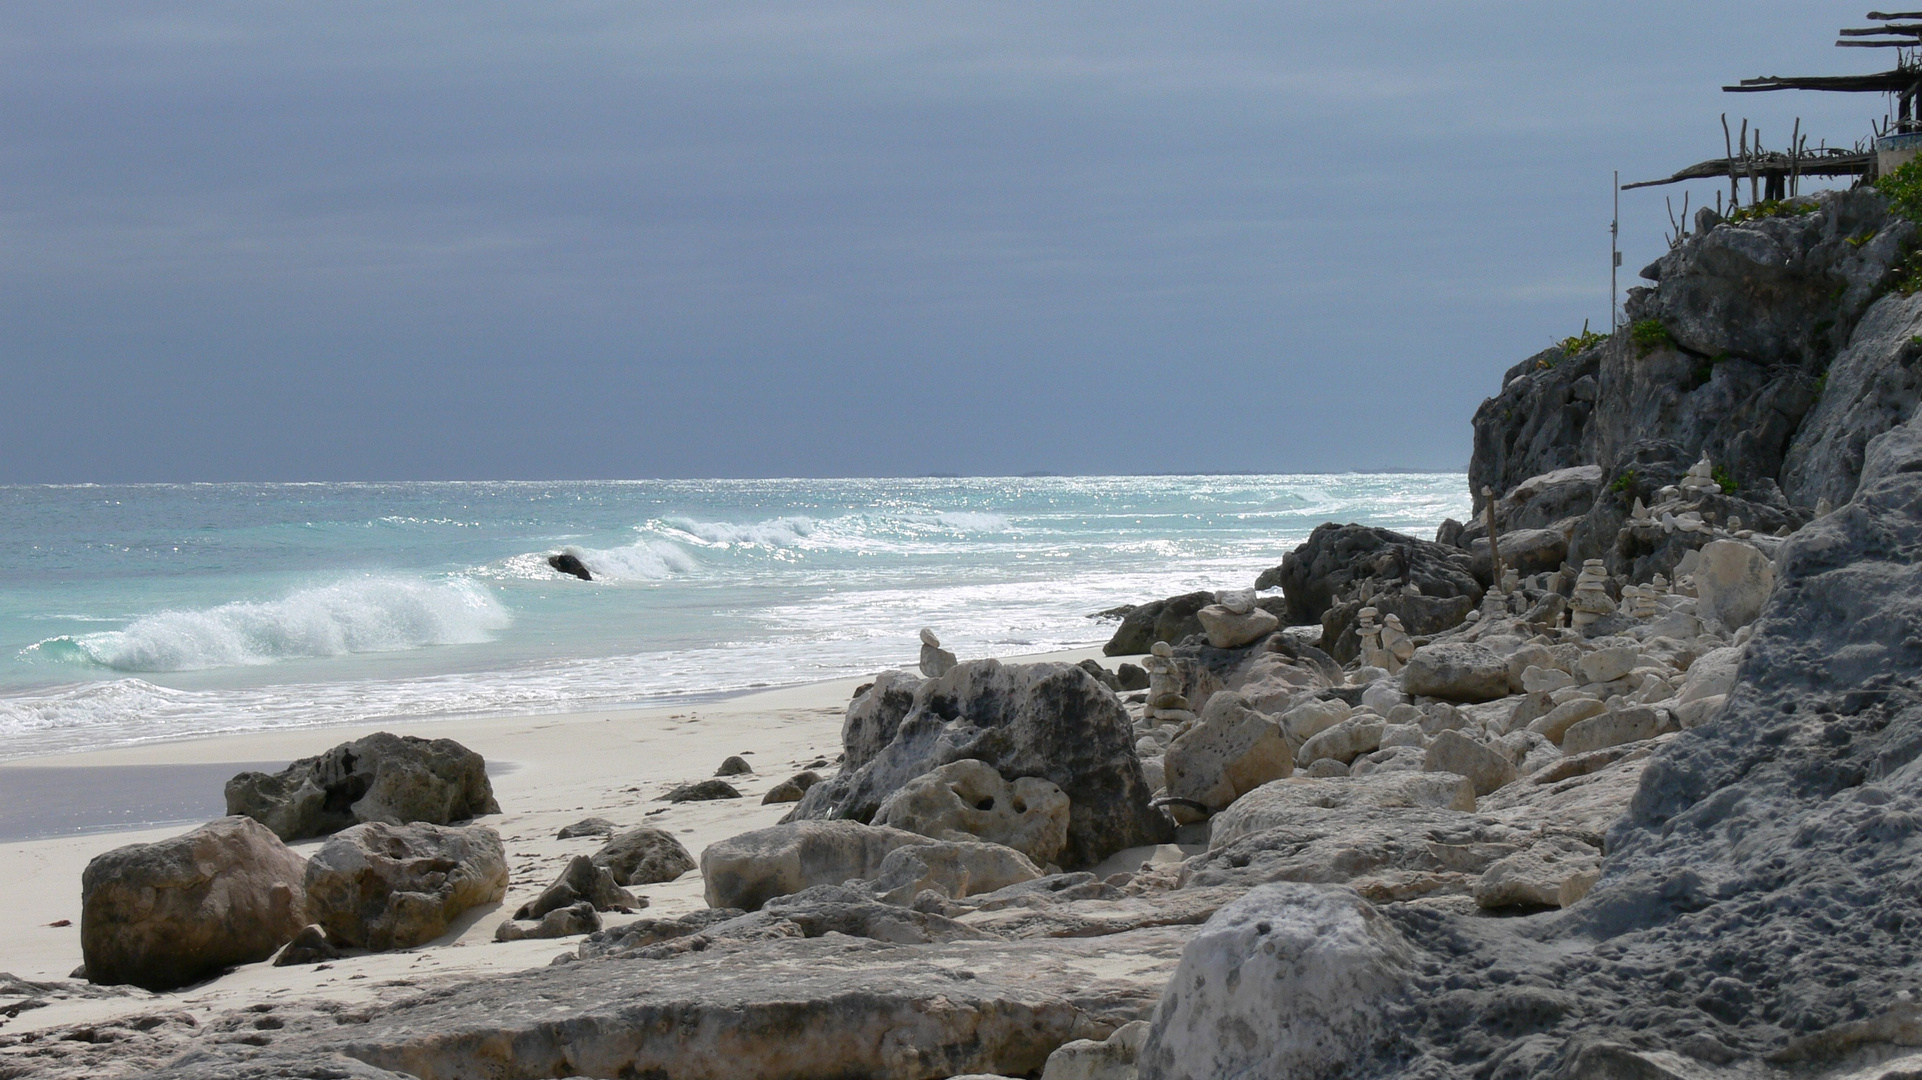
pixel 137 613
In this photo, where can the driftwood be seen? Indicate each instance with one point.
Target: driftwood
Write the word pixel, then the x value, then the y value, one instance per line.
pixel 1769 163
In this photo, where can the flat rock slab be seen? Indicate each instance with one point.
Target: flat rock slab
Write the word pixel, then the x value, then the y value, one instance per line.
pixel 822 1007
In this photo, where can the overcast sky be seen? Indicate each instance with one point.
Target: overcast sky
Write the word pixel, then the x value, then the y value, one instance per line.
pixel 571 240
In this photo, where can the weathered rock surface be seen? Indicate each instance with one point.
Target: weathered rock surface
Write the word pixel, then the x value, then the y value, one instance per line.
pixel 382 886
pixel 1229 752
pixel 1485 768
pixel 1873 386
pixel 1338 560
pixel 702 791
pixel 172 912
pixel 580 882
pixel 1290 980
pixel 1052 721
pixel 968 800
pixel 1227 629
pixel 569 920
pixel 748 870
pixel 594 826
pixel 310 946
pixel 1456 672
pixel 952 868
pixel 1282 801
pixel 1734 581
pixel 1169 620
pixel 644 856
pixel 393 779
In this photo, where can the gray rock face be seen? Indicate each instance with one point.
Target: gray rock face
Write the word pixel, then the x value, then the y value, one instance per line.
pixel 748 870
pixel 875 715
pixel 382 886
pixel 1337 560
pixel 644 856
pixel 1169 620
pixel 1873 386
pixel 170 913
pixel 568 920
pixel 1453 752
pixel 1290 980
pixel 387 778
pixel 1230 751
pixel 1227 629
pixel 1457 672
pixel 580 882
pixel 1052 721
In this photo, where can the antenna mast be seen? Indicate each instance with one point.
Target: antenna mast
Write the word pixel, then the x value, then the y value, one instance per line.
pixel 1615 256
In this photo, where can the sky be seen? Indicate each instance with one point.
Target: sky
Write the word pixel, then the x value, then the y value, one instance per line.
pixel 370 241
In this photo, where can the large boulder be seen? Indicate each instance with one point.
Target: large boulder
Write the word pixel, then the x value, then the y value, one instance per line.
pixel 748 870
pixel 875 715
pixel 1733 581
pixel 1337 561
pixel 1226 628
pixel 644 856
pixel 1051 721
pixel 1874 385
pixel 1288 981
pixel 1281 802
pixel 1168 620
pixel 381 886
pixel 1486 768
pixel 1456 671
pixel 170 913
pixel 954 869
pixel 1231 751
pixel 387 778
pixel 968 800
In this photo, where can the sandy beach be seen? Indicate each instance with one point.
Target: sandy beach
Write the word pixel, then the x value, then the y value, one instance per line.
pixel 548 771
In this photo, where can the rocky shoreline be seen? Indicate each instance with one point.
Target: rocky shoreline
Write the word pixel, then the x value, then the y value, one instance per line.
pixel 1628 789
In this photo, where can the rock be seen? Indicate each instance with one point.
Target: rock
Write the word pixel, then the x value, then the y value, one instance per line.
pixel 1456 672
pixel 1231 630
pixel 566 921
pixel 1734 581
pixel 1169 620
pixel 1132 677
pixel 1229 752
pixel 1101 675
pixel 1525 551
pixel 1337 560
pixel 955 869
pixel 383 887
pixel 1712 674
pixel 170 913
pixel 1357 735
pixel 935 662
pixel 748 870
pixel 1453 752
pixel 1283 801
pixel 594 826
pixel 580 882
pixel 1112 1058
pixel 310 946
pixel 1607 665
pixel 1547 680
pixel 968 800
pixel 1540 877
pixel 387 778
pixel 735 765
pixel 875 715
pixel 702 791
pixel 1421 615
pixel 1614 729
pixel 1872 386
pixel 1543 500
pixel 1554 726
pixel 1312 717
pixel 1290 980
pixel 1048 720
pixel 791 789
pixel 644 856
pixel 570 564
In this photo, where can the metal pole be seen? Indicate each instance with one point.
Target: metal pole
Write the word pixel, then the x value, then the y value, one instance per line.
pixel 1614 256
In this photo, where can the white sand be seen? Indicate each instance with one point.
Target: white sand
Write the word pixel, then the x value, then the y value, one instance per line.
pixel 614 765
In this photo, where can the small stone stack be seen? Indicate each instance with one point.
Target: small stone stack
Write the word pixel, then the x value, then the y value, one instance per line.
pixel 1590 601
pixel 1700 480
pixel 1166 703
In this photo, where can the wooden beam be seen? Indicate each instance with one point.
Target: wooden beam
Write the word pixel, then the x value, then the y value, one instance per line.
pixel 1878 44
pixel 1882 82
pixel 1895 15
pixel 1878 31
pixel 1844 164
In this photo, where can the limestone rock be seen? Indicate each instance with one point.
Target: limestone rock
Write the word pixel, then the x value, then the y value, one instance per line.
pixel 387 778
pixel 748 870
pixel 1607 665
pixel 955 869
pixel 1614 728
pixel 1047 720
pixel 1541 876
pixel 1711 675
pixel 791 789
pixel 1357 735
pixel 382 886
pixel 1311 718
pixel 1734 581
pixel 1485 768
pixel 702 791
pixel 1231 630
pixel 310 946
pixel 1290 980
pixel 1131 677
pixel 580 882
pixel 1282 801
pixel 935 660
pixel 644 856
pixel 566 921
pixel 594 826
pixel 169 913
pixel 1872 386
pixel 1169 620
pixel 1456 672
pixel 1229 752
pixel 734 765
pixel 875 715
pixel 1555 723
pixel 1112 1058
pixel 1101 674
pixel 1337 560
pixel 968 800
pixel 571 565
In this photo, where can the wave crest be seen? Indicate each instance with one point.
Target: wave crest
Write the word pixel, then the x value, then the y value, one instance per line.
pixel 360 615
pixel 782 532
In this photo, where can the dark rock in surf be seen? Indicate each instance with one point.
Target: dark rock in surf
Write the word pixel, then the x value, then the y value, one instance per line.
pixel 568 564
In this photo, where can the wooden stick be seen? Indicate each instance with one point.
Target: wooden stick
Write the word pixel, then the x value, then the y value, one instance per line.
pixel 1494 553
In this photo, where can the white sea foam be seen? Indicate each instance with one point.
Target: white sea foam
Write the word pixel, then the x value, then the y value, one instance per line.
pixel 646 560
pixel 358 615
pixel 783 532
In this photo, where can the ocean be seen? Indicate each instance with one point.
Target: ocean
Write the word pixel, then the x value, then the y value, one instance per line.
pixel 130 614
